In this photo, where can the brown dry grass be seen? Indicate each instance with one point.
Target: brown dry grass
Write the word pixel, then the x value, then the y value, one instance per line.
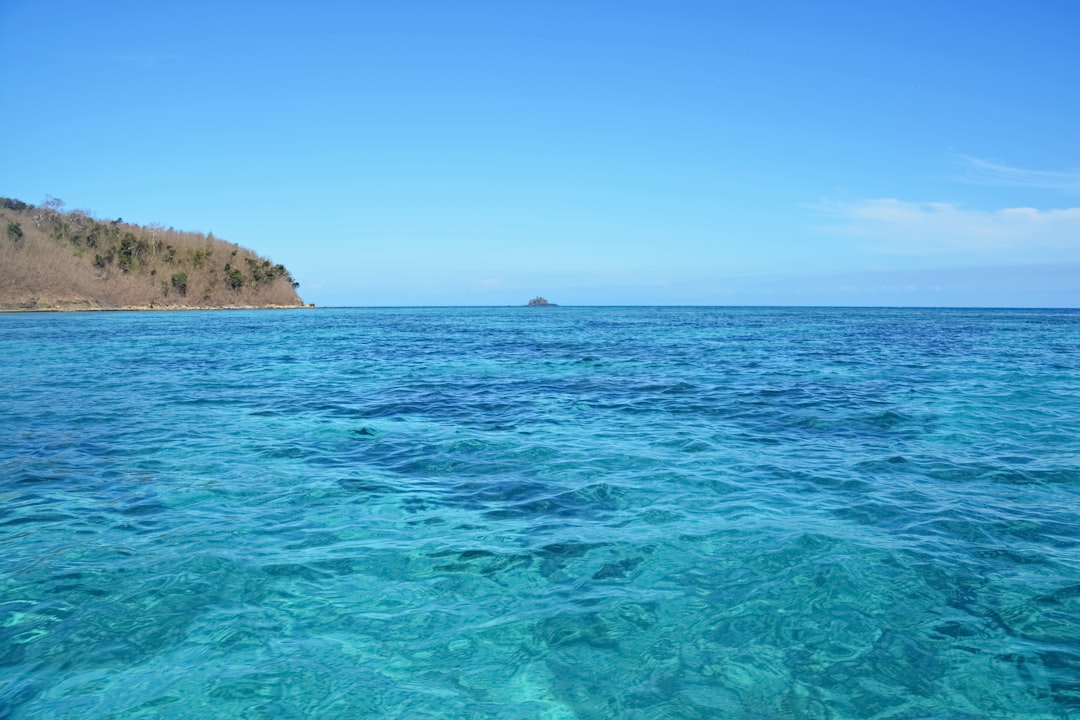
pixel 51 265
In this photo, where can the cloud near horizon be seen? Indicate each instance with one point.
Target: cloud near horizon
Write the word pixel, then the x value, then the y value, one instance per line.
pixel 937 228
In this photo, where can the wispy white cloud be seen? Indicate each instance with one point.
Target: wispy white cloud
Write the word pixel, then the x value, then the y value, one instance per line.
pixel 144 61
pixel 985 172
pixel 931 228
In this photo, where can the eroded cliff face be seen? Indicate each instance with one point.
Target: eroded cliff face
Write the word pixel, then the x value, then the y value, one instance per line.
pixel 56 260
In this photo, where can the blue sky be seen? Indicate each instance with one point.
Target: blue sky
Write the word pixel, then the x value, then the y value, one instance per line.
pixel 481 153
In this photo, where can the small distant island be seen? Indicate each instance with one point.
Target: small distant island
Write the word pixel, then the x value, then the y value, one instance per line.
pixel 52 259
pixel 541 302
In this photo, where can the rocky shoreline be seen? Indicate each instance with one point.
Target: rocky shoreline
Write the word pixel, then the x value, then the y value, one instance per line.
pixel 87 306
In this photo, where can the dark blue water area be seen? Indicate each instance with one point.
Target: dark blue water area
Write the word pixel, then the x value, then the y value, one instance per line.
pixel 540 513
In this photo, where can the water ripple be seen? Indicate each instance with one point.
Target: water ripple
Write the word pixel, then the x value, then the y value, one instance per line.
pixel 581 513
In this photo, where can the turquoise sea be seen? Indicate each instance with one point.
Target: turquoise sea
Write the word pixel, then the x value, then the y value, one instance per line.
pixel 540 513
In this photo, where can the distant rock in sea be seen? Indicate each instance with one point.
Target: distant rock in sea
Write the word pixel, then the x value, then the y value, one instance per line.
pixel 541 302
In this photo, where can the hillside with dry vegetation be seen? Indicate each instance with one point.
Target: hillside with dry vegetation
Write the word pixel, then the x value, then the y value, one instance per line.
pixel 52 259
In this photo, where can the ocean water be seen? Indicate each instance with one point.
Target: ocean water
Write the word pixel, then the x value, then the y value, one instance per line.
pixel 540 513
